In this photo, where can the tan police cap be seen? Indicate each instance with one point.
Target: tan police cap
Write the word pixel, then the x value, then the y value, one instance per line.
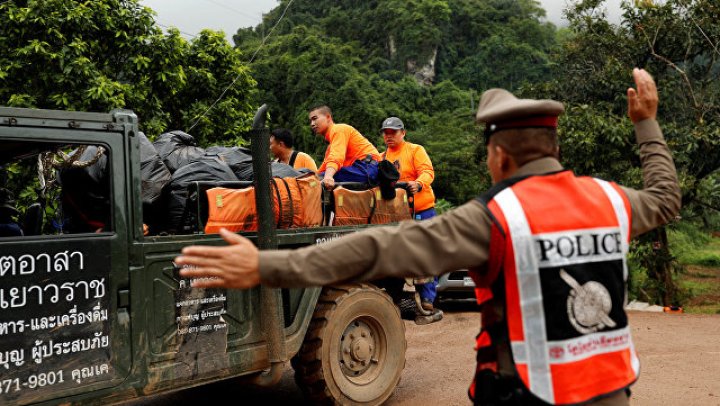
pixel 500 109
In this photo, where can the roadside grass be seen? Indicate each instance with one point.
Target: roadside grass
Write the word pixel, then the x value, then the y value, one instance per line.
pixel 699 254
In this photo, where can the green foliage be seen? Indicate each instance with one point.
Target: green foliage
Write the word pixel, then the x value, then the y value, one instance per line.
pixel 475 43
pixel 677 42
pixel 452 144
pixel 686 236
pixel 699 253
pixel 101 55
pixel 416 31
pixel 640 286
pixel 496 44
pixel 443 206
pixel 693 245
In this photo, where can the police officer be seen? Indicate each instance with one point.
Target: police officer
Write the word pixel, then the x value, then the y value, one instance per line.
pixel 546 248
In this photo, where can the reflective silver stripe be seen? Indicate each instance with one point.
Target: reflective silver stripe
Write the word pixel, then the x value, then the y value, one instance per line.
pixel 586 346
pixel 622 217
pixel 624 221
pixel 571 247
pixel 530 292
pixel 634 360
pixel 519 350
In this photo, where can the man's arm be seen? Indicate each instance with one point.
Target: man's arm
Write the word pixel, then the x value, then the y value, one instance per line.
pixel 336 150
pixel 335 156
pixel 328 179
pixel 659 201
pixel 423 166
pixel 456 240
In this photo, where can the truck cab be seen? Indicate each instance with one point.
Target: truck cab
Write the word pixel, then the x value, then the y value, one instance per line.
pixel 94 310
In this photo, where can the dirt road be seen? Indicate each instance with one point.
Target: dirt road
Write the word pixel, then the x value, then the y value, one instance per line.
pixel 679 355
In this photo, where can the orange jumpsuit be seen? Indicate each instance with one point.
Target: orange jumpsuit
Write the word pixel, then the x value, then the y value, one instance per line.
pixel 414 165
pixel 346 146
pixel 303 160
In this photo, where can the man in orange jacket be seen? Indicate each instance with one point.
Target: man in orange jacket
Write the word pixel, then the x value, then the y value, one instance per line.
pixel 281 146
pixel 415 167
pixel 350 157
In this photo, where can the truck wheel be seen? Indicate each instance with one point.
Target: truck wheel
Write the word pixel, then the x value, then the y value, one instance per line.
pixel 354 350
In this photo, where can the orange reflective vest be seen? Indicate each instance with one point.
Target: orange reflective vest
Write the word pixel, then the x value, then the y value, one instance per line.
pixel 558 265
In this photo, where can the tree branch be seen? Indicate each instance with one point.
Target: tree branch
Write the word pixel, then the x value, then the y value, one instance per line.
pixel 709 206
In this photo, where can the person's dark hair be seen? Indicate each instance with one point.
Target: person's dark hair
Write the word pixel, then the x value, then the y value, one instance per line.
pixel 527 144
pixel 324 108
pixel 283 135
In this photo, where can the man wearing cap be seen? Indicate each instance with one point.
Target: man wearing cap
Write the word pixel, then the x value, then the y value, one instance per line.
pixel 8 226
pixel 546 249
pixel 349 157
pixel 415 167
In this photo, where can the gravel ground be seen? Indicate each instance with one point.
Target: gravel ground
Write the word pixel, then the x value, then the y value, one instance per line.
pixel 679 355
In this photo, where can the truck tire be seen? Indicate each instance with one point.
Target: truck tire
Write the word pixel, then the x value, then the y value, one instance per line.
pixel 354 350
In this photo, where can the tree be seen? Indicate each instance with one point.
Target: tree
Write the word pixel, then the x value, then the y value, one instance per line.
pixel 101 55
pixel 677 41
pixel 497 43
pixel 474 43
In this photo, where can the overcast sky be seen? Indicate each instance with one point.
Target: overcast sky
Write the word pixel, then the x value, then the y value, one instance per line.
pixel 191 16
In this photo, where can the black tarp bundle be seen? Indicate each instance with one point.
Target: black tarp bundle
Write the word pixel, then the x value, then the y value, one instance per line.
pixel 281 170
pixel 154 177
pixel 180 203
pixel 154 174
pixel 86 194
pixel 177 149
pixel 167 167
pixel 238 159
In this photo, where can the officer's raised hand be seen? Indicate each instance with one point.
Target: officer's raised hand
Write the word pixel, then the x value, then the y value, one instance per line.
pixel 643 102
pixel 232 266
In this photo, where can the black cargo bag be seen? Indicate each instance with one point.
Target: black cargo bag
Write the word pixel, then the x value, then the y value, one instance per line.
pixel 177 149
pixel 238 159
pixel 86 194
pixel 181 205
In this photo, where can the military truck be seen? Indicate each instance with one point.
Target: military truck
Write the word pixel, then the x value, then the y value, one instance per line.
pixel 101 316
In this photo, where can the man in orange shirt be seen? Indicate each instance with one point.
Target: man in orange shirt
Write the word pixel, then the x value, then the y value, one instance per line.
pixel 281 146
pixel 415 167
pixel 350 157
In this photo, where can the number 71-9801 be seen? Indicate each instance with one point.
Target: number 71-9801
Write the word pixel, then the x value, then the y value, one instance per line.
pixel 33 381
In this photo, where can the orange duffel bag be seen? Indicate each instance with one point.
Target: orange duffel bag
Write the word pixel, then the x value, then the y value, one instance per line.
pixel 233 209
pixel 296 203
pixel 391 210
pixel 310 212
pixel 352 207
pixel 368 207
